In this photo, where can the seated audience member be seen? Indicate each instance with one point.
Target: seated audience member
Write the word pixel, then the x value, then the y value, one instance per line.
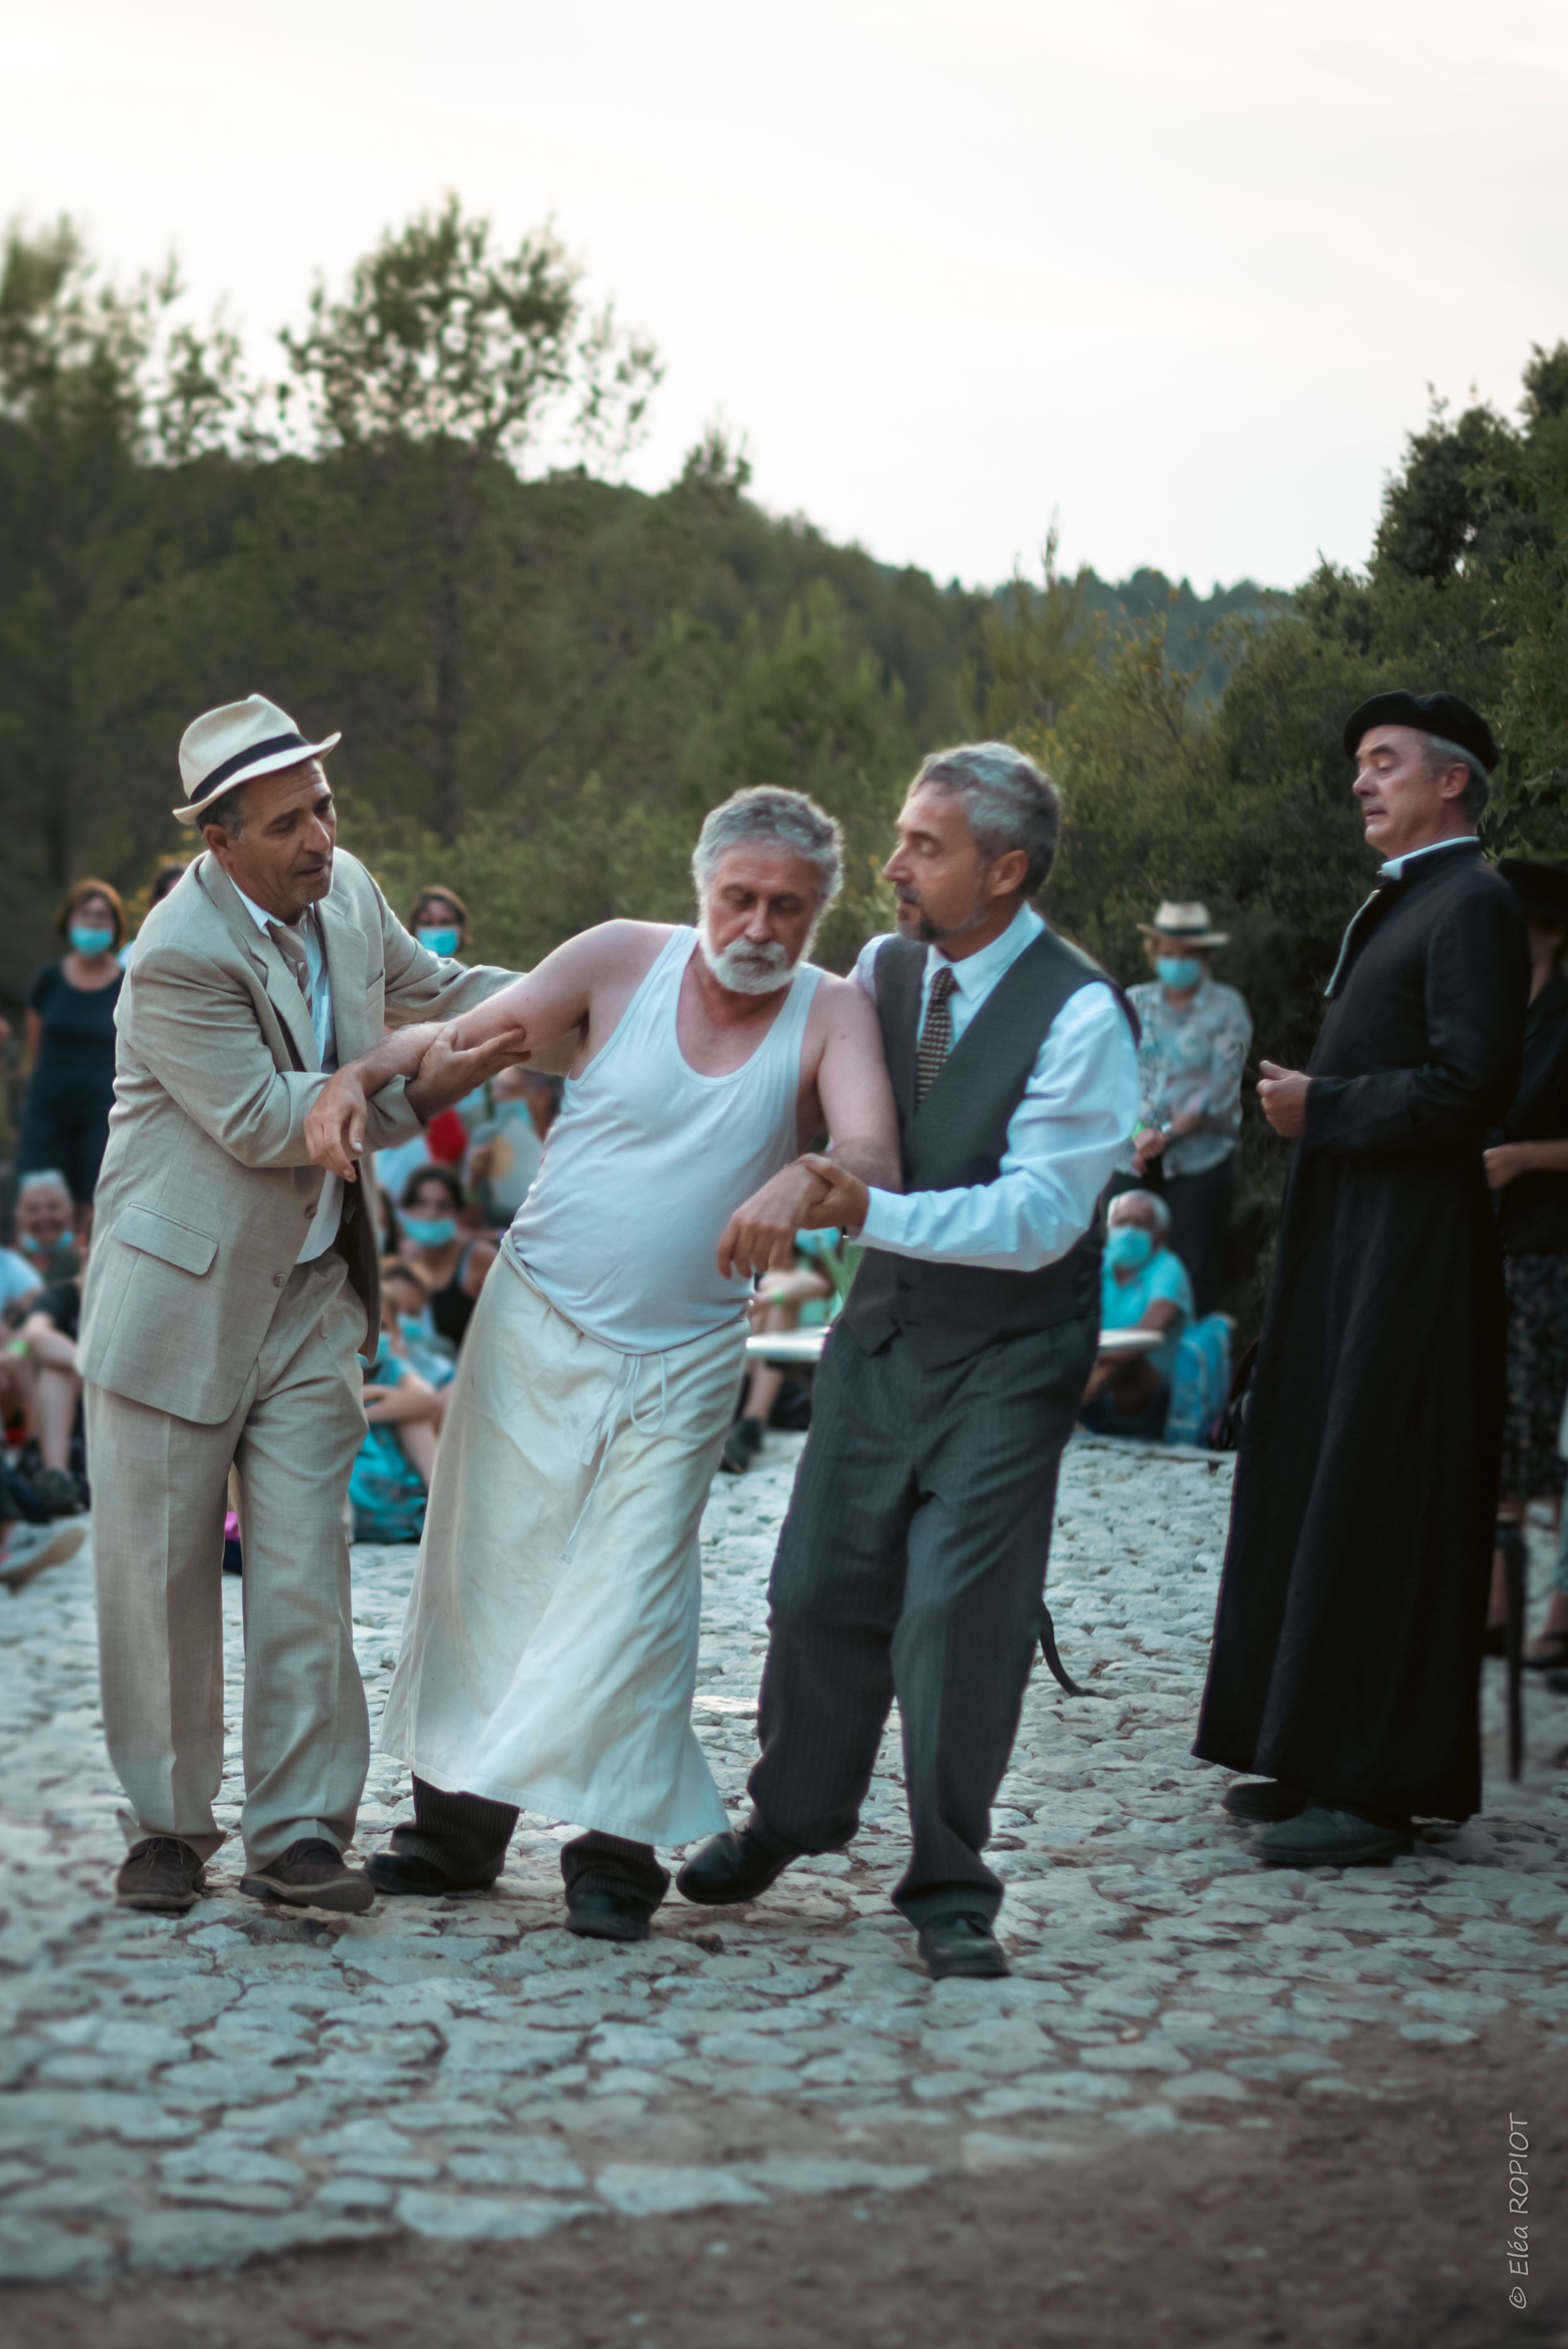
pixel 71 1042
pixel 29 1541
pixel 18 1279
pixel 439 920
pixel 804 1298
pixel 507 1148
pixel 43 1226
pixel 163 880
pixel 452 1264
pixel 42 1378
pixel 1143 1285
pixel 391 1475
pixel 433 1356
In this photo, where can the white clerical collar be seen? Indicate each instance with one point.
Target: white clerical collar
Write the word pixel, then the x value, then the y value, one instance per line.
pixel 975 974
pixel 1396 867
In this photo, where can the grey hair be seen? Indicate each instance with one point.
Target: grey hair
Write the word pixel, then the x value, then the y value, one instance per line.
pixel 768 816
pixel 44 1177
pixel 1009 802
pixel 1441 754
pixel 1152 1199
pixel 228 812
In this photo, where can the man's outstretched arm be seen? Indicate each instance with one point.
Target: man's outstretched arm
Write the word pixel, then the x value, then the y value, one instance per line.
pixel 857 1102
pixel 539 1018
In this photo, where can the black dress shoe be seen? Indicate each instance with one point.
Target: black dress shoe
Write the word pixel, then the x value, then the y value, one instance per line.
pixel 730 1869
pixel 600 1915
pixel 310 1875
pixel 1322 1837
pixel 402 1871
pixel 1262 1801
pixel 741 1446
pixel 160 1873
pixel 962 1943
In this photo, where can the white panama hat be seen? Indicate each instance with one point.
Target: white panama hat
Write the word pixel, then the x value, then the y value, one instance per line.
pixel 226 746
pixel 1189 922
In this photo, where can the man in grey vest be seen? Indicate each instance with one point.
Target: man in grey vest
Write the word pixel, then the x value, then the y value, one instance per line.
pixel 912 1559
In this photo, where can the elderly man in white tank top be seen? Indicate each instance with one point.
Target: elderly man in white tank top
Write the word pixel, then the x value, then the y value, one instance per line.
pixel 550 1655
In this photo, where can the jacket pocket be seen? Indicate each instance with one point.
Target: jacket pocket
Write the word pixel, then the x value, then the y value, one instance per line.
pixel 161 1236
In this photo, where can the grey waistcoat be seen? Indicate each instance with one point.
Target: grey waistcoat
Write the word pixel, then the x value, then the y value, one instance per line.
pixel 954 1139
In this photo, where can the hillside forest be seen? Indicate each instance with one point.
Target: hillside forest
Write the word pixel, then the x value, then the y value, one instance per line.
pixel 413 529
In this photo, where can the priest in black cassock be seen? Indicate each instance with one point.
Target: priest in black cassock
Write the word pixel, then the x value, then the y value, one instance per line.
pixel 1348 1642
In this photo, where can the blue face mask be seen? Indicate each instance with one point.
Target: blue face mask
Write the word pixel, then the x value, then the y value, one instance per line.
pixel 1127 1246
pixel 90 942
pixel 430 1231
pixel 440 941
pixel 1178 972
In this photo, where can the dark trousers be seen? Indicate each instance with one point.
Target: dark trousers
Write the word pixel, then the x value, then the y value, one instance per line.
pixel 56 1141
pixel 1200 1208
pixel 912 1563
pixel 467 1835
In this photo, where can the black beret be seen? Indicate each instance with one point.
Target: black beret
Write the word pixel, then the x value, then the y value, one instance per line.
pixel 1543 889
pixel 1431 713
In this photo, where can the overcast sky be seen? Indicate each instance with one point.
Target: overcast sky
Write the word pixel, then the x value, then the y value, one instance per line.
pixel 1183 274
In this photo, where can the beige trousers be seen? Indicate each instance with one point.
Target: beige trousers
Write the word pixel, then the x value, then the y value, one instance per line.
pixel 160 1487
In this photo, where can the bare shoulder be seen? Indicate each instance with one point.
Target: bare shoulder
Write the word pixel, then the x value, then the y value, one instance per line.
pixel 842 1009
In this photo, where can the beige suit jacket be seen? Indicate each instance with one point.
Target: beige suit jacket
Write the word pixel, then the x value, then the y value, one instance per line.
pixel 207 1190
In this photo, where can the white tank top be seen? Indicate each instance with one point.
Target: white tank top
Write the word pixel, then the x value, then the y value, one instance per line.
pixel 647 1162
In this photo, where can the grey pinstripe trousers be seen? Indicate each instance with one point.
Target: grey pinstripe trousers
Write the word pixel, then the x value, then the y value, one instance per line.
pixel 912 1564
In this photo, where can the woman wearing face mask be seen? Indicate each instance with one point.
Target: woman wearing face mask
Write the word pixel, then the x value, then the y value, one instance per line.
pixel 71 1042
pixel 451 1263
pixel 1143 1285
pixel 1195 1034
pixel 439 920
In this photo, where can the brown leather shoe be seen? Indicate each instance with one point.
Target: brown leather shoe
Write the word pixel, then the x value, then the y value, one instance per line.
pixel 310 1875
pixel 160 1873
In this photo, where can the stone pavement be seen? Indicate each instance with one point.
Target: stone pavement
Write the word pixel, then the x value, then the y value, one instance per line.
pixel 184 2093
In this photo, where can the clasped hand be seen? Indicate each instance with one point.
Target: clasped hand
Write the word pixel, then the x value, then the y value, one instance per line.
pixel 816 1193
pixel 1281 1097
pixel 446 1072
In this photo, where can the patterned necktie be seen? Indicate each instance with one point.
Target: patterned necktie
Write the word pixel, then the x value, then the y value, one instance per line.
pixel 291 945
pixel 936 1035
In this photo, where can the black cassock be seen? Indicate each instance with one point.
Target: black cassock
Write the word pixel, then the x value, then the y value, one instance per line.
pixel 1347 1640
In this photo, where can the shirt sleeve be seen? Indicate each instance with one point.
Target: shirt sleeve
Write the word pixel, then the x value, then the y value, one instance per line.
pixel 1078 1108
pixel 865 971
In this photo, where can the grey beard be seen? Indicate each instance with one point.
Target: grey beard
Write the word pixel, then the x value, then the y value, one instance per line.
pixel 747 969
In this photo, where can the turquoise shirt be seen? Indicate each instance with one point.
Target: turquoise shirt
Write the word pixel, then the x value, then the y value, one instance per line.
pixel 1124 1303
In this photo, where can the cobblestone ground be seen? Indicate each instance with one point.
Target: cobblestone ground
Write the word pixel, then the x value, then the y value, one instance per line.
pixel 186 2093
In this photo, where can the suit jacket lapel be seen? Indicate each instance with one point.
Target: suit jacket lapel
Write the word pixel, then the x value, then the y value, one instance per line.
pixel 283 989
pixel 343 942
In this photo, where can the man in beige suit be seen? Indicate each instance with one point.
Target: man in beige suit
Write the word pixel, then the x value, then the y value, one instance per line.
pixel 229 1285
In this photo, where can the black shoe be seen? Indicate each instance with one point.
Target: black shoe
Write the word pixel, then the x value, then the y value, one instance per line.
pixel 402 1871
pixel 1263 1801
pixel 160 1873
pixel 730 1869
pixel 1321 1837
pixel 310 1875
pixel 601 1915
pixel 741 1446
pixel 962 1944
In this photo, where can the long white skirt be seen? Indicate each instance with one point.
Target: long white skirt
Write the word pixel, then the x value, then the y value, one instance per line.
pixel 549 1654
